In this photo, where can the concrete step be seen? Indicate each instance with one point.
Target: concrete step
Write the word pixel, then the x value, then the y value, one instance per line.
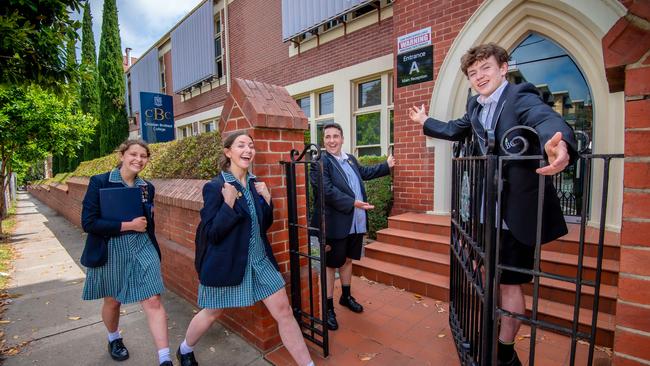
pixel 414 280
pixel 416 240
pixel 409 257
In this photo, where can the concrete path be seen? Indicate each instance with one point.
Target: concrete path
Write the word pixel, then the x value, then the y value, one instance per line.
pixel 61 329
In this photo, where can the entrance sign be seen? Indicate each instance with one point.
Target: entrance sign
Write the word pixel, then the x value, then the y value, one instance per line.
pixel 414 57
pixel 156 117
pixel 415 66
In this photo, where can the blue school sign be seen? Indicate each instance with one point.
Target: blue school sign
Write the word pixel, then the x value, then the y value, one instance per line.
pixel 156 117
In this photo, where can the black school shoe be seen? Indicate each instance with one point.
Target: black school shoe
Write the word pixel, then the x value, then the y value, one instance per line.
pixel 186 359
pixel 167 363
pixel 117 350
pixel 350 303
pixel 513 362
pixel 330 319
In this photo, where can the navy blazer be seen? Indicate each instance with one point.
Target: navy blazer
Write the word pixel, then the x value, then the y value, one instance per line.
pixel 223 235
pixel 100 230
pixel 519 104
pixel 339 197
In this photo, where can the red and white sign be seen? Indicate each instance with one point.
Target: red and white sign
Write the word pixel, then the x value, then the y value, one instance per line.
pixel 414 40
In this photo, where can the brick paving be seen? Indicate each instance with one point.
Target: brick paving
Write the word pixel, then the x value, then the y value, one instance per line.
pixel 398 327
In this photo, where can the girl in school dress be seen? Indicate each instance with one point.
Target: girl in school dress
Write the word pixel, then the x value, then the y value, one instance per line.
pixel 237 267
pixel 123 258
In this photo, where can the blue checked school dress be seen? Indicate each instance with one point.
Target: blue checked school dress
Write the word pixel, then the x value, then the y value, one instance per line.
pixel 261 278
pixel 132 270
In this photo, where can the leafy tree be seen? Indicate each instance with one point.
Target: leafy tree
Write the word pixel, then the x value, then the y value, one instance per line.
pixel 73 160
pixel 32 38
pixel 114 126
pixel 89 80
pixel 34 123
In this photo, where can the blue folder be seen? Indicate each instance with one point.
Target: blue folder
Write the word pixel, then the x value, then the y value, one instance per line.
pixel 121 204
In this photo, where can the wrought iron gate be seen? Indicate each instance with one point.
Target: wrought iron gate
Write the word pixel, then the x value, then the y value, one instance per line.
pixel 476 232
pixel 307 258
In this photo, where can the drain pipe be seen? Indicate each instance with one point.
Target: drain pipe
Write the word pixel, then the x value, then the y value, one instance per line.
pixel 227 36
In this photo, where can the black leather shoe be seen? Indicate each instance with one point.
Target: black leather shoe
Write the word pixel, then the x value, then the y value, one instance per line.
pixel 186 359
pixel 117 350
pixel 167 363
pixel 351 304
pixel 514 362
pixel 332 324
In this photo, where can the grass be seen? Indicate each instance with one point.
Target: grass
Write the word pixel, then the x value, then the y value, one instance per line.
pixel 6 253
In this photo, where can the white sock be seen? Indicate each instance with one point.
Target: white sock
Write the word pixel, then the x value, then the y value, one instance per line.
pixel 185 348
pixel 311 363
pixel 114 335
pixel 163 355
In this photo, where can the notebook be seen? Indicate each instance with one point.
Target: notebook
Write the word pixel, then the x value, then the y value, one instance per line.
pixel 121 203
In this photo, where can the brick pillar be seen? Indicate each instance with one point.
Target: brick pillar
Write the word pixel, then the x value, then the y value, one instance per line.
pixel 413 176
pixel 276 124
pixel 627 62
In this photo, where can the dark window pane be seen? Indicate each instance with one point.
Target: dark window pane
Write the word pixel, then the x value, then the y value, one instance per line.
pixel 368 129
pixel 217 47
pixel 369 93
pixel 326 103
pixel 305 104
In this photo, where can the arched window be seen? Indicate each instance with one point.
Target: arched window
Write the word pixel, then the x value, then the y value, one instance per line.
pixel 561 84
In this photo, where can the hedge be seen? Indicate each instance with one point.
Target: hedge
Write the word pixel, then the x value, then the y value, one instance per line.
pixel 191 158
pixel 196 158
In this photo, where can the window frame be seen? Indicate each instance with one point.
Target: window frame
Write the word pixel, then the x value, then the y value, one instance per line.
pixel 384 107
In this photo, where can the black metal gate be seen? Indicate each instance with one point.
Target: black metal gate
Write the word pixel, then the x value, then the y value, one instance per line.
pixel 476 231
pixel 307 257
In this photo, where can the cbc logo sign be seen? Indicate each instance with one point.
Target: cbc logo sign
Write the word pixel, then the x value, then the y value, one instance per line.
pixel 158 114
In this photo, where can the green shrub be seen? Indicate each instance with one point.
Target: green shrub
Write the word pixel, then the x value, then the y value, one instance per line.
pixel 191 158
pixel 380 195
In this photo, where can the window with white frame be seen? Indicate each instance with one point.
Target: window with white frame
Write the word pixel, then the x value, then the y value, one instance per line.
pixel 184 131
pixel 367 118
pixel 318 106
pixel 325 113
pixel 305 104
pixel 373 116
pixel 207 126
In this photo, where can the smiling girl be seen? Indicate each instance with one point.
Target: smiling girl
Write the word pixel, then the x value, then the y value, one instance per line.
pixel 123 258
pixel 234 258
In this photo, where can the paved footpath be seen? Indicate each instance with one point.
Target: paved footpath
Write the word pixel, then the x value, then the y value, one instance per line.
pixel 61 329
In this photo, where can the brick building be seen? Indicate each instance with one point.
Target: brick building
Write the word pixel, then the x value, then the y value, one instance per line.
pixel 590 59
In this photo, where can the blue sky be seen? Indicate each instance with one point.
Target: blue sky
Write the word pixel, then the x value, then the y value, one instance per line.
pixel 142 22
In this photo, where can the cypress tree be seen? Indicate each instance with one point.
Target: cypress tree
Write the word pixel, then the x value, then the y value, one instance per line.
pixel 113 122
pixel 89 88
pixel 69 162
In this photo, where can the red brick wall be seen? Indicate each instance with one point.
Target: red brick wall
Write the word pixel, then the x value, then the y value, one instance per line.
pixel 258 53
pixel 627 61
pixel 413 177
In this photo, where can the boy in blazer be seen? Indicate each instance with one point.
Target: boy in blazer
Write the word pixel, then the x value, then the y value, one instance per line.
pixel 497 107
pixel 345 213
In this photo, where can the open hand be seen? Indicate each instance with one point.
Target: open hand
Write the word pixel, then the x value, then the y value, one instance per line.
pixel 418 115
pixel 229 193
pixel 363 205
pixel 558 155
